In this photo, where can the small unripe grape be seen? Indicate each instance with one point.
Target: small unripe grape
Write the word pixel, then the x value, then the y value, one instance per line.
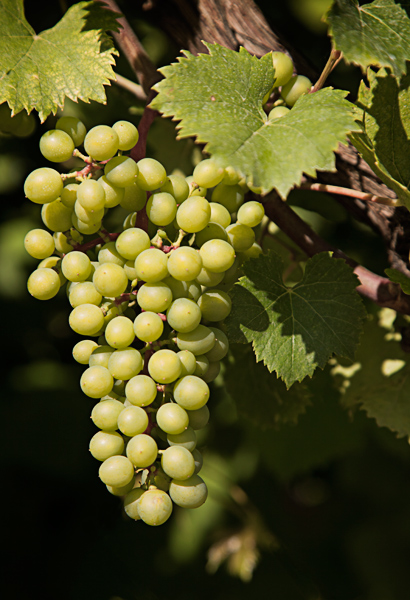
pixel 96 382
pixel 91 195
pixel 117 471
pixel 142 450
pixel 194 214
pixel 295 88
pixel 121 171
pixel 164 366
pixel 188 493
pixel 105 444
pixel 101 142
pixel 152 174
pixel 43 284
pixel 82 351
pixel 154 507
pixel 74 127
pixel 76 266
pixel 86 319
pixel 207 173
pixel 148 326
pixel 56 145
pixel 43 185
pixel 277 112
pixel 39 243
pixel 127 134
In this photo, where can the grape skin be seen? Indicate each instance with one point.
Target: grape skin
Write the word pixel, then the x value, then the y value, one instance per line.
pixel 172 418
pixel 105 444
pixel 141 390
pixel 154 507
pixel 39 243
pixel 189 493
pixel 116 471
pixel 178 462
pixel 142 450
pixel 43 185
pixel 43 284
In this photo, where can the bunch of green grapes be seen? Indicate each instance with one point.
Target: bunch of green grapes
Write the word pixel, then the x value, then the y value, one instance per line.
pixel 149 301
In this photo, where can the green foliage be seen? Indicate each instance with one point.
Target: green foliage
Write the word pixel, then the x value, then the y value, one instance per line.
pixel 398 277
pixel 198 92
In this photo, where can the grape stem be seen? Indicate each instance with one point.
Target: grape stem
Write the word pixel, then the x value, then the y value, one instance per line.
pixel 125 297
pixel 334 58
pixel 135 89
pixel 91 244
pixel 148 117
pixel 341 191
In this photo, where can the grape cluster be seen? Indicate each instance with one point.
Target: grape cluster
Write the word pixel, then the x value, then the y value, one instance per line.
pixel 149 300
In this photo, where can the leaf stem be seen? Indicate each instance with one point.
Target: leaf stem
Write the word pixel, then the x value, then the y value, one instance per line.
pixel 135 89
pixel 342 191
pixel 334 58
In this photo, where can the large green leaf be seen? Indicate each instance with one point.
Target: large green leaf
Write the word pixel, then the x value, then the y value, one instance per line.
pixel 295 330
pixel 217 97
pixel 72 59
pixel 371 34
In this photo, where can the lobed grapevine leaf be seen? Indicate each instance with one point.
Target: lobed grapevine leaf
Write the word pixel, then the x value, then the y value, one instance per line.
pixel 295 330
pixel 217 97
pixel 73 59
pixel 372 34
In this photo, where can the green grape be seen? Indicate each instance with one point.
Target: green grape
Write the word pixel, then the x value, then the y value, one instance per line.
pixel 61 243
pixel 161 209
pixel 208 174
pixel 215 305
pixel 277 112
pixel 194 188
pixel 109 254
pixel 105 444
pixel 253 252
pixel 84 293
pixel 82 351
pixel 161 480
pixel 217 255
pixel 154 507
pixel 113 194
pixel 178 462
pixel 43 284
pixel 213 231
pixel 151 265
pixel 129 270
pixel 43 185
pixel 220 214
pixel 85 228
pixel 141 390
pixel 231 177
pixel 164 366
pixel 119 332
pixel 126 363
pixel 39 243
pixel 198 460
pixel 101 142
pixel 295 88
pixel 198 418
pixel 86 319
pixel 177 186
pixel 132 421
pixel 121 171
pixel 91 195
pixel 142 450
pixel 199 341
pixel 56 145
pixel 132 242
pixel 251 214
pixel 76 266
pixel 172 418
pixel 194 290
pixel 121 490
pixel 184 263
pixel 230 196
pixel 117 471
pixel 96 382
pixel 212 372
pixel 221 346
pixel 191 392
pixel 110 311
pixel 208 278
pixel 100 356
pixel 155 297
pixel 283 66
pixel 131 503
pixel 74 127
pixel 188 362
pixel 187 439
pixel 179 289
pixel 105 415
pixel 152 174
pixel 188 493
pixel 202 364
pixel 69 195
pixel 110 279
pixel 184 315
pixel 134 198
pixel 148 326
pixel 194 214
pixel 127 135
pixel 87 216
pixel 56 216
pixel 119 388
pixel 241 236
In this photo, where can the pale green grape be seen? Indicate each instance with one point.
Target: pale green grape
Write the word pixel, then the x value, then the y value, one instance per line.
pixel 131 503
pixel 212 372
pixel 124 364
pixel 43 284
pixel 117 471
pixel 184 263
pixel 96 382
pixel 164 366
pixel 56 145
pixel 208 174
pixel 191 392
pixel 39 243
pixel 179 289
pixel 230 196
pixel 127 134
pixel 241 236
pixel 88 216
pixel 188 362
pixel 85 228
pixel 56 216
pixel 295 88
pixel 100 356
pixel 194 188
pixel 221 346
pixel 178 462
pixel 69 194
pixel 199 341
pixel 105 444
pixel 113 194
pixel 121 490
pixel 148 326
pixel 194 290
pixel 253 252
pixel 131 242
pixel 198 418
pixel 61 243
pixel 101 142
pixel 231 177
pixel 141 390
pixel 161 209
pixel 161 480
pixel 152 174
pixel 110 280
pixel 84 293
pixel 172 418
pixel 184 315
pixel 188 493
pixel 129 270
pixel 277 112
pixel 187 439
pixel 177 186
pixel 151 265
pixel 119 332
pixel 217 255
pixel 76 266
pixel 43 185
pixel 198 459
pixel 283 66
pixel 215 305
pixel 82 351
pixel 121 171
pixel 193 214
pixel 109 254
pixel 91 195
pixel 220 214
pixel 155 297
pixel 209 278
pixel 134 198
pixel 86 319
pixel 74 127
pixel 213 231
pixel 132 421
pixel 202 364
pixel 251 213
pixel 142 450
pixel 154 507
pixel 105 415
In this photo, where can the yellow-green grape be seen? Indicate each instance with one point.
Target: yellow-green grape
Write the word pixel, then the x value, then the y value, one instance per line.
pixel 86 319
pixel 125 364
pixel 69 194
pixel 215 305
pixel 193 214
pixel 43 284
pixel 132 420
pixel 84 293
pixel 172 418
pixel 164 366
pixel 39 243
pixel 208 278
pixel 283 66
pixel 217 255
pixel 142 450
pixel 105 415
pixel 119 332
pixel 124 489
pixel 113 194
pixel 74 127
pixel 251 213
pixel 141 390
pixel 151 175
pixel 295 88
pixel 116 471
pixel 109 254
pixel 198 418
pixel 96 382
pixel 76 266
pixel 82 351
pixel 230 196
pixel 85 228
pixel 231 177
pixel 43 185
pixel 154 507
pixel 127 135
pixel 105 444
pixel 220 347
pixel 178 462
pixel 148 326
pixel 202 364
pixel 110 279
pixel 177 186
pixel 91 195
pixel 154 297
pixel 134 198
pixel 213 231
pixel 184 315
pixel 129 270
pixel 131 503
pixel 253 252
pixel 188 493
pixel 88 216
pixel 199 341
pixel 208 174
pixel 101 142
pixel 56 216
pixel 220 214
pixel 194 188
pixel 161 209
pixel 61 243
pixel 100 356
pixel 277 112
pixel 151 265
pixel 184 263
pixel 241 236
pixel 121 171
pixel 187 439
pixel 212 372
pixel 191 392
pixel 132 242
pixel 56 145
pixel 188 362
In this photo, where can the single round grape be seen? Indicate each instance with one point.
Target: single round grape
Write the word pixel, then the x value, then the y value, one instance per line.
pixel 69 194
pixel 43 185
pixel 39 243
pixel 96 382
pixel 295 88
pixel 127 135
pixel 209 278
pixel 184 263
pixel 119 332
pixel 188 362
pixel 221 346
pixel 283 66
pixel 202 364
pixel 152 174
pixel 85 228
pixel 191 392
pixel 76 266
pixel 134 198
pixel 213 231
pixel 100 356
pixel 84 293
pixel 194 214
pixel 177 186
pixel 198 460
pixel 151 265
pixel 230 196
pixel 217 255
pixel 105 444
pixel 91 195
pixel 231 176
pixel 142 450
pixel 113 194
pixel 121 171
pixel 207 173
pixel 187 439
pixel 253 252
pixel 154 297
pixel 277 112
pixel 56 216
pixel 110 280
pixel 199 341
pixel 124 364
pixel 251 214
pixel 220 214
pixel 141 390
pixel 86 319
pixel 188 493
pixel 56 145
pixel 194 188
pixel 198 418
pixel 178 462
pixel 184 315
pixel 154 507
pixel 161 209
pixel 122 490
pixel 82 351
pixel 131 503
pixel 132 421
pixel 101 142
pixel 116 471
pixel 74 127
pixel 43 284
pixel 240 236
pixel 61 243
pixel 164 366
pixel 215 305
pixel 172 418
pixel 105 415
pixel 108 253
pixel 148 326
pixel 131 242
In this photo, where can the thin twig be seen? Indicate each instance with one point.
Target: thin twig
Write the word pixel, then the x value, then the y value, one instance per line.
pixel 334 58
pixel 342 191
pixel 135 89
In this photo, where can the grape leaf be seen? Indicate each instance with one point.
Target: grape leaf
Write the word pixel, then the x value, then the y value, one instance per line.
pixel 229 118
pixel 371 34
pixel 400 278
pixel 73 59
pixel 384 142
pixel 295 330
pixel 260 396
